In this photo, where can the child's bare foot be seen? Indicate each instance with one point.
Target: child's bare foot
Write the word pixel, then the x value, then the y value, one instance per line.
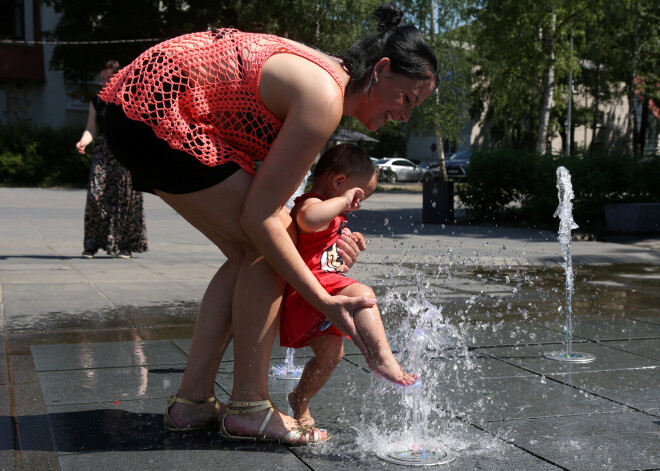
pixel 300 408
pixel 391 371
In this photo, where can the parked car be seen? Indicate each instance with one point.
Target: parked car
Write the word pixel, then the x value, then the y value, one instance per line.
pixel 431 171
pixel 396 169
pixel 456 165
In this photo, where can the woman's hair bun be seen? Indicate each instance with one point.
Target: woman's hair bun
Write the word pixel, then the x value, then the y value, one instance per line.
pixel 389 17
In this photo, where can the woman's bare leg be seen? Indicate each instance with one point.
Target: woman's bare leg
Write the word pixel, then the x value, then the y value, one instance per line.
pixel 379 355
pixel 257 294
pixel 328 352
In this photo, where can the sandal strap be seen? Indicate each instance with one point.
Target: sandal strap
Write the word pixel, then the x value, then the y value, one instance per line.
pixel 247 407
pixel 174 398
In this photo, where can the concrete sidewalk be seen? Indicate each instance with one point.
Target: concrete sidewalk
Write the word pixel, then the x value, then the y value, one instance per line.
pixel 93 348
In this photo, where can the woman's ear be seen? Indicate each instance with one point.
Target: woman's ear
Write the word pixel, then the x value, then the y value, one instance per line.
pixel 382 66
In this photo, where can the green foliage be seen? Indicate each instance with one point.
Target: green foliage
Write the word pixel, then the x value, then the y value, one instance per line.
pixel 31 156
pixel 507 185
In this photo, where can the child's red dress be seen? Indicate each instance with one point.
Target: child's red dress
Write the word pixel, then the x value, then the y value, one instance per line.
pixel 300 322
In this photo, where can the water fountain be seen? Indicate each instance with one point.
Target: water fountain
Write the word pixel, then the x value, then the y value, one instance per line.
pixel 287 370
pixel 565 213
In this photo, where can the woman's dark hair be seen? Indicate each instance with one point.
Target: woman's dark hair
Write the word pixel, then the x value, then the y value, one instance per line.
pixel 408 51
pixel 348 159
pixel 111 65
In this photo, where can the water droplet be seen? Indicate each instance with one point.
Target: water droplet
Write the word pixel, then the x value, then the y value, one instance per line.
pixel 543 380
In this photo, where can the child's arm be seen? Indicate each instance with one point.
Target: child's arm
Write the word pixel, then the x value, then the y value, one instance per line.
pixel 315 214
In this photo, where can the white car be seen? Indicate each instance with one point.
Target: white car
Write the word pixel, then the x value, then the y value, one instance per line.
pixel 397 169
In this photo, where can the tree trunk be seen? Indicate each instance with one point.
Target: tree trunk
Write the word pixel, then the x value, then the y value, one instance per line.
pixel 548 88
pixel 634 59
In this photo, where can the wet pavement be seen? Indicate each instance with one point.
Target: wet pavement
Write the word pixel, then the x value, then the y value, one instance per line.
pixel 93 348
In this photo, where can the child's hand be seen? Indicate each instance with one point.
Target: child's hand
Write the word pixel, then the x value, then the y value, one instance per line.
pixel 353 198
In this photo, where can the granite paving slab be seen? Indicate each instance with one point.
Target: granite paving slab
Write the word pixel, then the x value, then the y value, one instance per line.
pixel 649 348
pixel 84 356
pixel 612 329
pixel 531 358
pixel 618 442
pixel 638 388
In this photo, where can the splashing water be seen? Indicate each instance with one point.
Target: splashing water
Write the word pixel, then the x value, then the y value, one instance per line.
pixel 416 430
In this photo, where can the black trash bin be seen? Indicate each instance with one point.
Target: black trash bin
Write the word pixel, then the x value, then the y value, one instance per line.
pixel 438 202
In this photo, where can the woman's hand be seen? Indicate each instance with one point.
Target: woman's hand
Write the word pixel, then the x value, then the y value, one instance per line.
pixel 339 312
pixel 80 147
pixel 349 247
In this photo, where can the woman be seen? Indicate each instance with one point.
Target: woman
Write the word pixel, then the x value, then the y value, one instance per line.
pixel 229 98
pixel 114 214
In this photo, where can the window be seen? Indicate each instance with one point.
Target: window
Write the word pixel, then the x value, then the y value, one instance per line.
pixel 11 20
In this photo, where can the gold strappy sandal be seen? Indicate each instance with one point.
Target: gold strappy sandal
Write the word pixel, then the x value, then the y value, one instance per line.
pixel 301 435
pixel 212 423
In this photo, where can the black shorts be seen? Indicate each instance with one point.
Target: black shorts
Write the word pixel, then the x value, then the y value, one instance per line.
pixel 153 164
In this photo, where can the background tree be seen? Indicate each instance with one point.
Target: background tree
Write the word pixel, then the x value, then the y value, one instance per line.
pixel 522 52
pixel 445 113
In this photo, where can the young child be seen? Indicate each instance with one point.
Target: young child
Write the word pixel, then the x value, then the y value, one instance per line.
pixel 343 177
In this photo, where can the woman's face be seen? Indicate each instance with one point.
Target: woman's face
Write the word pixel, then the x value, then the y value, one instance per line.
pixel 392 98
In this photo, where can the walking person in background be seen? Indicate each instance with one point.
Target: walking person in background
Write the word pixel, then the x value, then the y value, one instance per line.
pixel 114 214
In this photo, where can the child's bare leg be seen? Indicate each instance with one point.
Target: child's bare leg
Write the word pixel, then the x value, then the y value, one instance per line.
pixel 379 355
pixel 328 352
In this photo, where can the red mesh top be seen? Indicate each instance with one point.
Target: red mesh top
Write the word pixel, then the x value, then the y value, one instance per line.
pixel 200 93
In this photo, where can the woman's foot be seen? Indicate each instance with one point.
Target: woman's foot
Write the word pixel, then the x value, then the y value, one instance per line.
pixel 194 416
pixel 277 427
pixel 124 254
pixel 300 409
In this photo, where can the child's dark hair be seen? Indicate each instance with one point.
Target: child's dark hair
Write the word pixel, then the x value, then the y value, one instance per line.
pixel 408 51
pixel 347 159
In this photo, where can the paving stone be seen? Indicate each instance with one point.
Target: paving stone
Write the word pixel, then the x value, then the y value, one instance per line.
pixel 647 348
pixel 58 306
pixel 638 388
pixel 510 334
pixel 105 355
pixel 531 358
pixel 618 441
pixel 613 329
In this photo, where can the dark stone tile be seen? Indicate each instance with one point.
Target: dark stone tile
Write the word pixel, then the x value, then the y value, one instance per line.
pixel 22 369
pixel 105 355
pixel 59 306
pixel 638 388
pixel 531 358
pixel 228 456
pixel 20 342
pixel 28 400
pixel 520 398
pixel 649 348
pixel 109 384
pixel 611 329
pixel 509 334
pixel 619 441
pixel 7 438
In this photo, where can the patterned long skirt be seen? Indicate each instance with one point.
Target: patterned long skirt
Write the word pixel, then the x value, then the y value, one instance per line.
pixel 114 213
